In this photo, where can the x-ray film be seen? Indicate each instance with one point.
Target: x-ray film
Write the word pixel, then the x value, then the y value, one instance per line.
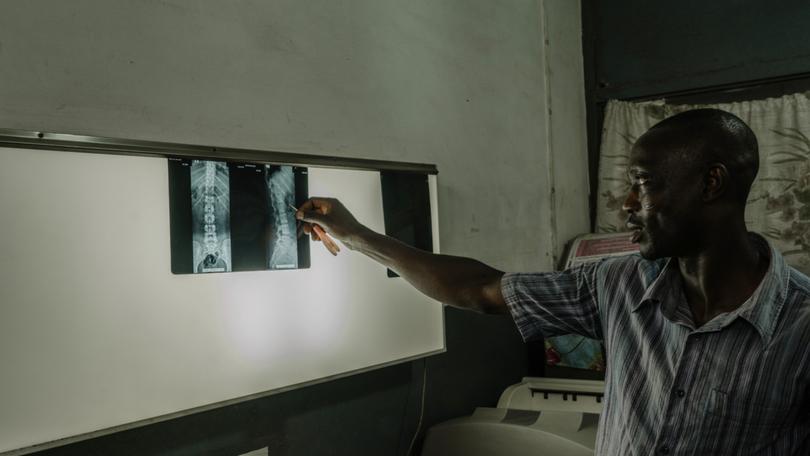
pixel 210 216
pixel 235 216
pixel 282 250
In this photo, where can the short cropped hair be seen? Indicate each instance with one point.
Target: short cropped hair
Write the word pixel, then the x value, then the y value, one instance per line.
pixel 706 136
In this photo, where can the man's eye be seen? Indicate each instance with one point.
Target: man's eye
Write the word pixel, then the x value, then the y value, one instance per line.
pixel 639 180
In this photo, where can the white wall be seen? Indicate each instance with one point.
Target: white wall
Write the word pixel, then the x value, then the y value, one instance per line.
pixel 464 84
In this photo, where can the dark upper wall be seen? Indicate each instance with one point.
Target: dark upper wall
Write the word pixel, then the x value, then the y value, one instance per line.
pixel 644 48
pixel 641 49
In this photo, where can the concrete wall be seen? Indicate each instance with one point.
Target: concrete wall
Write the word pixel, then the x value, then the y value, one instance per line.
pixel 466 84
pixel 566 139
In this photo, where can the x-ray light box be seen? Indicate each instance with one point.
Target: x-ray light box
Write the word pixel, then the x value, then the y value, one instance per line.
pixel 98 334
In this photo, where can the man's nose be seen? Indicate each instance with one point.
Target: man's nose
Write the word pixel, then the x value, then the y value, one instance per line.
pixel 631 203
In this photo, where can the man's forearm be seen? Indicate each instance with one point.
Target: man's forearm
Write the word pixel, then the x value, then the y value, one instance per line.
pixel 457 281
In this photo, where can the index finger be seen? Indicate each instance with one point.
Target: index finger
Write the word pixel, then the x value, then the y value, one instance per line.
pixel 321 205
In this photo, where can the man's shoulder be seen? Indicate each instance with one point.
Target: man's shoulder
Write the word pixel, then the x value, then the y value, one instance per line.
pixel 798 282
pixel 792 308
pixel 632 266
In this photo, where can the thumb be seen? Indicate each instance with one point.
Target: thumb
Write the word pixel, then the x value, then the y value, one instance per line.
pixel 310 217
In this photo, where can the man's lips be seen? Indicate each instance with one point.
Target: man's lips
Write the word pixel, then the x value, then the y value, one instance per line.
pixel 636 230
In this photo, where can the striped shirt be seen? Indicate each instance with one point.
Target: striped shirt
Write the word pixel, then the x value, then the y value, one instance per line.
pixel 738 385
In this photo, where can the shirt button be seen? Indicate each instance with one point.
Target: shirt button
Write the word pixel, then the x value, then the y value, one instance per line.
pixel 680 393
pixel 664 449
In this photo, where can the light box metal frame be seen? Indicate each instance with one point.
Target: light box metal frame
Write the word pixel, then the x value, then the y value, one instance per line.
pixel 28 139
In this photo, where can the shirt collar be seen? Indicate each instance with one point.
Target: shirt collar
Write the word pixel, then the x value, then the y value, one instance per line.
pixel 764 306
pixel 658 277
pixel 762 309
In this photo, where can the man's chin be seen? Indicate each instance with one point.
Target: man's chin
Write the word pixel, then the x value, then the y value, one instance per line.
pixel 648 252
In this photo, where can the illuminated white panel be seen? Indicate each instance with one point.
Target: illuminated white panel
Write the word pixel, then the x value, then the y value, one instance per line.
pixel 96 332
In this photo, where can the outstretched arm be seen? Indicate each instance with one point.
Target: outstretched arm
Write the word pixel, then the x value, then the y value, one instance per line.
pixel 457 281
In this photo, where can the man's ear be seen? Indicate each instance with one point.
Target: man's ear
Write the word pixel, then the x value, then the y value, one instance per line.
pixel 716 181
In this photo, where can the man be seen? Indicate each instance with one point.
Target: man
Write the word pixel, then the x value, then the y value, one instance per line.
pixel 707 332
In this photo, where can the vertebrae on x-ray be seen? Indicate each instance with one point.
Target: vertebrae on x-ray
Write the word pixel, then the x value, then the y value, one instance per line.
pixel 281 186
pixel 210 241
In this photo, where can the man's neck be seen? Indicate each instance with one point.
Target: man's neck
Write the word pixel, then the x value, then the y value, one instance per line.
pixel 722 276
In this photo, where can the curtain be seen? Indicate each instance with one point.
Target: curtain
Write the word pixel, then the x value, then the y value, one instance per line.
pixel 779 202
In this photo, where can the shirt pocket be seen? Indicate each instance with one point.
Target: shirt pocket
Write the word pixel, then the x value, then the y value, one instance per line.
pixel 742 412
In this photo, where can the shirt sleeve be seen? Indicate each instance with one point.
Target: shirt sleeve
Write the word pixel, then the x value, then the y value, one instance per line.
pixel 549 304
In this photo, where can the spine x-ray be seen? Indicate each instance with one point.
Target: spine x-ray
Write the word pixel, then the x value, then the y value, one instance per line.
pixel 210 216
pixel 235 216
pixel 283 246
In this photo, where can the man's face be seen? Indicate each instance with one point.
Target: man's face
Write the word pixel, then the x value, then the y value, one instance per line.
pixel 664 203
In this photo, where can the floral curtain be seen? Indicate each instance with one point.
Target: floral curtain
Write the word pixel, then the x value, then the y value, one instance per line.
pixel 779 203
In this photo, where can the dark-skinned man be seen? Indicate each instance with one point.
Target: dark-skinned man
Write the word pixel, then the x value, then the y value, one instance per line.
pixel 707 332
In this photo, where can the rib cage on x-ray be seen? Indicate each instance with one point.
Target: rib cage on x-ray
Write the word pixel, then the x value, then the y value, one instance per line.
pixel 283 246
pixel 210 214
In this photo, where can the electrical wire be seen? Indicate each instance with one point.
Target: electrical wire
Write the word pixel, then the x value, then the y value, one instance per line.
pixel 421 408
